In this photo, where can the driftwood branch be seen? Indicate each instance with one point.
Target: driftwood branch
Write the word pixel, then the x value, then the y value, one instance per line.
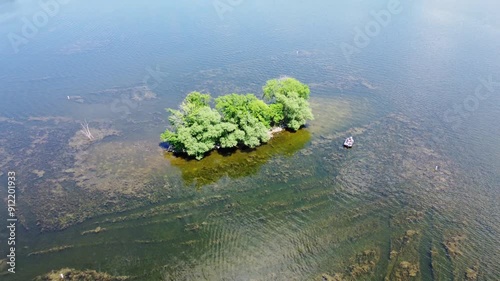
pixel 86 130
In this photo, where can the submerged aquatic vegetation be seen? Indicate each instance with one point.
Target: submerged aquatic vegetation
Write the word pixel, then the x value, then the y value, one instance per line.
pixel 108 167
pixel 364 263
pixel 238 163
pixel 361 266
pixel 94 231
pixel 405 271
pixel 452 245
pixel 313 203
pixel 86 130
pixel 80 142
pixel 86 178
pixel 471 273
pixel 51 250
pixel 70 189
pixel 79 275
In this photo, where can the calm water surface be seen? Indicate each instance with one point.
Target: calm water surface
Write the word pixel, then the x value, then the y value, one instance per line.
pixel 415 199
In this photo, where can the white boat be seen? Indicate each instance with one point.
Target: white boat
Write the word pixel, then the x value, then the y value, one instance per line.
pixel 349 142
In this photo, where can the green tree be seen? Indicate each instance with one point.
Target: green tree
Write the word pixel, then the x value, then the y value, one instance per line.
pixel 290 105
pixel 196 126
pixel 235 107
pixel 255 131
pixel 276 113
pixel 251 116
pixel 231 135
pixel 296 110
pixel 284 86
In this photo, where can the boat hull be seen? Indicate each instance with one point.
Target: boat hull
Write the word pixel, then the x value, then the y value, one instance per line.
pixel 349 142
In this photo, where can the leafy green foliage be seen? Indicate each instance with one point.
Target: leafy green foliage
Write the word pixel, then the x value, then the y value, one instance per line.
pixel 237 119
pixel 231 136
pixel 290 103
pixel 284 86
pixel 255 131
pixel 236 107
pixel 196 127
pixel 250 115
pixel 296 110
pixel 276 113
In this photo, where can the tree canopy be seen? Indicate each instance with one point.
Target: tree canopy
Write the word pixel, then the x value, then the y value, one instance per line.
pixel 197 128
pixel 284 86
pixel 296 110
pixel 250 115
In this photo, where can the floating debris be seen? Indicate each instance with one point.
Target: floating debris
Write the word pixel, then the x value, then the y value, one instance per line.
pixel 86 131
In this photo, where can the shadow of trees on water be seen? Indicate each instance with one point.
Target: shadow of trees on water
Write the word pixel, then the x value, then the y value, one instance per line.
pixel 236 162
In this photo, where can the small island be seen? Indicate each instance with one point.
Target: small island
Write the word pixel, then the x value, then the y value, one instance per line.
pixel 237 119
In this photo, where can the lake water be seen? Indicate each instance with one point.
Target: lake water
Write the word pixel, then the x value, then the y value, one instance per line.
pixel 415 199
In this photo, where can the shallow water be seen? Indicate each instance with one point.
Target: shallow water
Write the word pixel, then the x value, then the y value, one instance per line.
pixel 294 209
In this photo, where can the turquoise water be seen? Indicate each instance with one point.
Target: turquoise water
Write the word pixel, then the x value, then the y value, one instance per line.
pixel 294 209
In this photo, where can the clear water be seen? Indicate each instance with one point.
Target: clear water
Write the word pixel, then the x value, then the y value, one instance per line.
pixel 295 209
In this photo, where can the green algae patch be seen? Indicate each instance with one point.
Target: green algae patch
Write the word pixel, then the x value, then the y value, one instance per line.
pixel 77 275
pixel 364 263
pixel 361 266
pixel 118 168
pixel 404 259
pixel 471 273
pixel 406 271
pixel 453 245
